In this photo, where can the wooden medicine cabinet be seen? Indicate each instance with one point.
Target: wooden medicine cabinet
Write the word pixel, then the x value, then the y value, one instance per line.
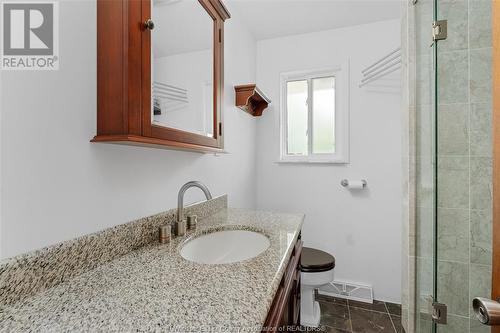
pixel 160 67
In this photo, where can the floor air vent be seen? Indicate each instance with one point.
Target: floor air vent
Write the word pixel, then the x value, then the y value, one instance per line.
pixel 347 290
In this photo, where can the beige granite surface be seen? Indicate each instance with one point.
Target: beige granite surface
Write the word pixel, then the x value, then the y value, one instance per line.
pixel 30 273
pixel 153 289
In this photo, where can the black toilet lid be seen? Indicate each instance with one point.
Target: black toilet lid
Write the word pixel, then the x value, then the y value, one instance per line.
pixel 314 260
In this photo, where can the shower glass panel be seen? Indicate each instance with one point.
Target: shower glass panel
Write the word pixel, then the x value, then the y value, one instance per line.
pixel 425 104
pixel 453 161
pixel 464 199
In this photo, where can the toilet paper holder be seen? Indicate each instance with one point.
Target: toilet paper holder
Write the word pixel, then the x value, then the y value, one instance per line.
pixel 345 183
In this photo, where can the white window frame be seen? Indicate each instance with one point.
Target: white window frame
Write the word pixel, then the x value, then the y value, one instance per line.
pixel 342 84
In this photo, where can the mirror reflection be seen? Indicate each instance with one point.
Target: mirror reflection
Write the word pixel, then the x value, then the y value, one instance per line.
pixel 182 66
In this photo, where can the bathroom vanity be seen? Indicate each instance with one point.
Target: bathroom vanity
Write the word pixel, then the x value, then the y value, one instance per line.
pixel 122 279
pixel 285 309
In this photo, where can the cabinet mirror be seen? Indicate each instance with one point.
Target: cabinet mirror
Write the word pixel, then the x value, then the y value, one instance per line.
pixel 182 59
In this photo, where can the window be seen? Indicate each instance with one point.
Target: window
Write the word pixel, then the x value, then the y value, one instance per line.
pixel 314 116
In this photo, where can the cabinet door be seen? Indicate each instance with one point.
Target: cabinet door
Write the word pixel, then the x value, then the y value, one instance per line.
pixel 160 73
pixel 295 301
pixel 182 71
pixel 284 314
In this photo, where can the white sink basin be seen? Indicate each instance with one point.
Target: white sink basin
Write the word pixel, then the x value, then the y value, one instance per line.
pixel 225 246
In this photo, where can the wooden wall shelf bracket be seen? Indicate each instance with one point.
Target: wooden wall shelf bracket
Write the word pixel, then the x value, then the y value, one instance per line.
pixel 251 99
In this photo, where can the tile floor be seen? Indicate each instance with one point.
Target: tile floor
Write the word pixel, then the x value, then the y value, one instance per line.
pixel 343 316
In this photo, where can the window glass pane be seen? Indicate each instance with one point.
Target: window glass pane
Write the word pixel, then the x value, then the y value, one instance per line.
pixel 323 115
pixel 296 101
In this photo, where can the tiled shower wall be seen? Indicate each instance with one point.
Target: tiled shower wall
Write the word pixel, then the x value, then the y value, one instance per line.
pixel 464 162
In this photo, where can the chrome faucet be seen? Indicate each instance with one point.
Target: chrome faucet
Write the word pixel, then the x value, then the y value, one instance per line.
pixel 180 224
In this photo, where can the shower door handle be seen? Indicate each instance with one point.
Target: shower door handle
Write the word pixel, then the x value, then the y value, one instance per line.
pixel 487 311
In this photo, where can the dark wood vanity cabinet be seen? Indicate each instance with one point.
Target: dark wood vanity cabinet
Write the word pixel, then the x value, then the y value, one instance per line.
pixel 284 314
pixel 127 59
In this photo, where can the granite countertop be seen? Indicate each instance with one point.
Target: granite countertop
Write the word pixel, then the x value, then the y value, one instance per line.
pixel 155 289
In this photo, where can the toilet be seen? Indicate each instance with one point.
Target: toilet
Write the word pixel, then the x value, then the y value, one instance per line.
pixel 316 268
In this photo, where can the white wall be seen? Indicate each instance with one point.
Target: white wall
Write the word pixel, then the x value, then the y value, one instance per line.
pixel 1 182
pixel 362 230
pixel 56 185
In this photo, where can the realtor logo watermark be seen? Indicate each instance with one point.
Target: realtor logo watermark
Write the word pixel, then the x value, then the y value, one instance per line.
pixel 30 36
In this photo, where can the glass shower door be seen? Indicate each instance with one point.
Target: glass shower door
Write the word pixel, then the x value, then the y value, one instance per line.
pixel 462 262
pixel 425 123
pixel 453 162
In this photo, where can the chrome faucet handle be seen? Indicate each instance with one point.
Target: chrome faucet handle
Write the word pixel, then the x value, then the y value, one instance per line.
pixel 165 232
pixel 192 220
